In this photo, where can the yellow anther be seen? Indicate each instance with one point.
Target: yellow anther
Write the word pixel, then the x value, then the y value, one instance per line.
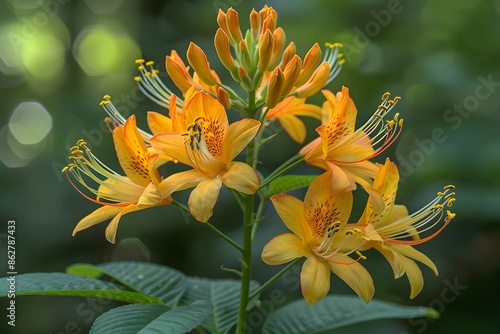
pixel 449 187
pixel 349 232
pixel 342 62
pixel 382 107
pixel 365 238
pixel 333 45
pixel 450 201
pixel 450 214
pixel 150 63
pixel 340 55
pixel 147 74
pixel 396 116
pixel 357 230
pixel 140 68
pixel 397 98
pixel 81 142
pixel 74 148
pixel 450 195
pixel 137 79
pixel 401 122
pixel 139 61
pixel 386 96
pixel 390 123
pixel 361 256
pixel 440 193
pixel 65 169
pixel 106 97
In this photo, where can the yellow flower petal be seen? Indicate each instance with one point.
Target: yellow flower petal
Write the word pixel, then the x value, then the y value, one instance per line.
pixel 241 177
pixel 180 181
pixel 314 279
pixel 159 123
pixel 294 127
pixel 326 205
pixel 354 275
pixel 414 276
pixel 340 179
pixel 98 216
pixel 150 196
pixel 172 145
pixel 393 258
pixel 239 134
pixel 132 152
pixel 282 249
pixel 110 232
pixel 291 211
pixel 204 105
pixel 202 199
pixel 414 254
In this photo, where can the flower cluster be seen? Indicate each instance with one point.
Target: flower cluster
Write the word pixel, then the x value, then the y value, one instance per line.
pixel 196 133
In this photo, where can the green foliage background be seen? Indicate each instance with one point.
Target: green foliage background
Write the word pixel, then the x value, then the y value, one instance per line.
pixel 435 54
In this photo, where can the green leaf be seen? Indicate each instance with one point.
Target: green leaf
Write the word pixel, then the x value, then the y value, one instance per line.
pixel 224 295
pixel 287 183
pixel 84 269
pixel 151 319
pixel 334 312
pixel 59 284
pixel 155 280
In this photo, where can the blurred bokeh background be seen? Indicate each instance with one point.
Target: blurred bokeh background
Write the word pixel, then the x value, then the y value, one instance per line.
pixel 59 57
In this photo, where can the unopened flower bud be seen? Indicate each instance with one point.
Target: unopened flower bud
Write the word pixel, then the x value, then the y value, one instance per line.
pixel 265 48
pixel 255 24
pixel 245 80
pixel 291 73
pixel 233 26
pixel 178 72
pixel 274 87
pixel 309 64
pixel 316 81
pixel 287 55
pixel 198 60
pixel 279 44
pixel 223 97
pixel 223 49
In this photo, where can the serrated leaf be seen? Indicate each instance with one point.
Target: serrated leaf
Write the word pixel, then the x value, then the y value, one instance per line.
pixel 288 183
pixel 334 312
pixel 59 284
pixel 151 319
pixel 223 294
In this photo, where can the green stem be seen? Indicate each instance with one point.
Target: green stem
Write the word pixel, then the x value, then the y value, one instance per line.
pixel 248 216
pixel 213 228
pixel 274 278
pixel 285 167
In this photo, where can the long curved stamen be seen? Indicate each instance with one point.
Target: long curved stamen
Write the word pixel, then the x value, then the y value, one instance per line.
pixel 86 166
pixel 196 148
pixel 151 85
pixel 334 58
pixel 342 241
pixel 387 132
pixel 424 220
pixel 118 118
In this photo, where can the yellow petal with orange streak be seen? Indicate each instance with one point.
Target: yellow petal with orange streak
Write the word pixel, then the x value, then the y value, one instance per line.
pixel 314 279
pixel 354 275
pixel 159 123
pixel 238 135
pixel 282 249
pixel 203 198
pixel 241 177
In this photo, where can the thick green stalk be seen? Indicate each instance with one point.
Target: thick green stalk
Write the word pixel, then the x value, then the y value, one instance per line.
pixel 246 270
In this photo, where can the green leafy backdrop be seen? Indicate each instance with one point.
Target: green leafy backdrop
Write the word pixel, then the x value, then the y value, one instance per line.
pixel 440 56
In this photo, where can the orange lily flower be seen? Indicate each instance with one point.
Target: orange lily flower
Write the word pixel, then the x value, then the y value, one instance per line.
pixel 208 144
pixel 346 151
pixel 393 231
pixel 117 194
pixel 286 113
pixel 322 235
